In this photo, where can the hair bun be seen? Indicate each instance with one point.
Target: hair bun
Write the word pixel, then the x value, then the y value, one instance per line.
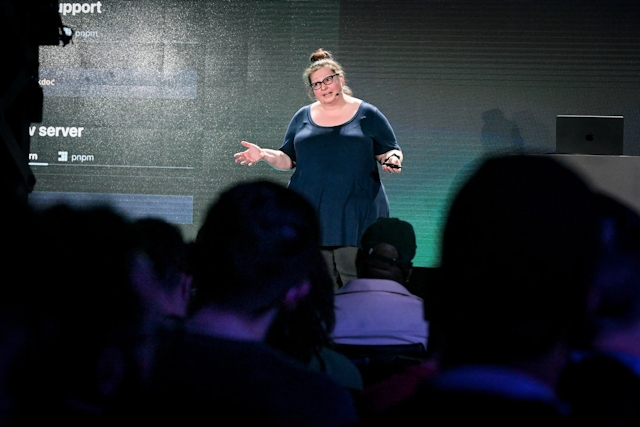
pixel 319 55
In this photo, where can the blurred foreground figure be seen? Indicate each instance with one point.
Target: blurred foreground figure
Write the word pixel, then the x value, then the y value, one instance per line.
pixel 93 348
pixel 160 272
pixel 518 250
pixel 304 331
pixel 602 383
pixel 23 269
pixel 253 257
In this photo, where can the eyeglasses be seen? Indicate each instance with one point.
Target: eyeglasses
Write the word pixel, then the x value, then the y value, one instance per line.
pixel 327 81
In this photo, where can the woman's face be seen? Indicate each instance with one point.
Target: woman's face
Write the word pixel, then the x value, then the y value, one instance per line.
pixel 323 92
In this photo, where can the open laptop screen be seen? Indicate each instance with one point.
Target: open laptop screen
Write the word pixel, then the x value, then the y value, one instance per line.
pixel 576 134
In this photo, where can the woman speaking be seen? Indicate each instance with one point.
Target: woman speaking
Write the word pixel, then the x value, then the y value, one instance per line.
pixel 335 145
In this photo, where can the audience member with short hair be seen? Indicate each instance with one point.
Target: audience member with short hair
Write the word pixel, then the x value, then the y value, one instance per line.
pixel 518 250
pixel 304 331
pixel 160 271
pixel 94 348
pixel 24 269
pixel 253 257
pixel 376 308
pixel 602 382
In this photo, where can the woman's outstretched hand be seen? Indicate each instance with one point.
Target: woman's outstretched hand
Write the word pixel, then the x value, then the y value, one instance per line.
pixel 252 155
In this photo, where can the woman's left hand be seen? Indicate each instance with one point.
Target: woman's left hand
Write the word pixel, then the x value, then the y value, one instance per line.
pixel 392 164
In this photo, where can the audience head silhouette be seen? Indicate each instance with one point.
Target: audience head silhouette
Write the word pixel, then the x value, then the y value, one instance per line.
pixel 517 253
pixel 615 291
pixel 602 381
pixel 255 258
pixel 258 241
pixel 160 271
pixel 387 249
pixel 92 353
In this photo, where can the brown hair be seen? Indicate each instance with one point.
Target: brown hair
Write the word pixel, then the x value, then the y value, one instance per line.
pixel 319 59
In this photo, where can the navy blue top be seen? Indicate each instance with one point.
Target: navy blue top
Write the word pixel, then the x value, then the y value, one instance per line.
pixel 337 171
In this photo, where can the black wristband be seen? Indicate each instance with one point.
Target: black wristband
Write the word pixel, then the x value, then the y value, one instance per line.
pixel 393 155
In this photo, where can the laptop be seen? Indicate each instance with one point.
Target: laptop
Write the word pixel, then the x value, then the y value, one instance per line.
pixel 577 134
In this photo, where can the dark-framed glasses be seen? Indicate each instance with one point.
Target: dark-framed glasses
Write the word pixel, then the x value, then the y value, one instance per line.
pixel 327 81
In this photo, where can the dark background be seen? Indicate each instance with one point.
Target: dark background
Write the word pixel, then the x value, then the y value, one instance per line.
pixel 166 90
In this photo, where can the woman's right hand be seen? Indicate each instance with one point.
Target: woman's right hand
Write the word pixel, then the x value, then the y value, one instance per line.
pixel 252 155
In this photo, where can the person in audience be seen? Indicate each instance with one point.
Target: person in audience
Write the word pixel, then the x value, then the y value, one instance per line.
pixel 376 308
pixel 518 249
pixel 93 350
pixel 160 271
pixel 304 332
pixel 253 257
pixel 24 269
pixel 602 382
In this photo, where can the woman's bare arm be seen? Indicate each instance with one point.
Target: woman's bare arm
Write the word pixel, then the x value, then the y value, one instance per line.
pixel 253 154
